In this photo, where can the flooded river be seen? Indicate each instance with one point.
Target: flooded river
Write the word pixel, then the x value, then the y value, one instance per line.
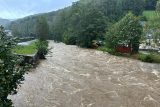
pixel 76 77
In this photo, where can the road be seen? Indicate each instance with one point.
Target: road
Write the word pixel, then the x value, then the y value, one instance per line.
pixel 76 77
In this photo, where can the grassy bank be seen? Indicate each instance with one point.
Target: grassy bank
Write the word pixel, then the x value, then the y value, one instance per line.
pixel 151 57
pixel 150 15
pixel 29 49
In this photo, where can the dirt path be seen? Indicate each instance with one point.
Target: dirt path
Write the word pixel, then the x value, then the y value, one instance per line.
pixel 75 77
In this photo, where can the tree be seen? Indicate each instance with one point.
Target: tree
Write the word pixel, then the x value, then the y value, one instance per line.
pixel 93 27
pixel 150 4
pixel 11 73
pixel 135 6
pixel 153 25
pixel 81 23
pixel 42 28
pixel 42 31
pixel 158 6
pixel 15 31
pixel 125 32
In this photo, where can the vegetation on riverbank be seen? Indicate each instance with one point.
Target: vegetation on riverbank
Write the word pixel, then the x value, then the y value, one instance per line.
pixel 42 31
pixel 11 67
pixel 82 23
pixel 151 57
pixel 11 73
pixel 152 24
pixel 26 50
pixel 86 22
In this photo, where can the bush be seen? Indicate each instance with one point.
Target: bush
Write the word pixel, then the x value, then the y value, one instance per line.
pixel 146 58
pixel 11 74
pixel 143 18
pixel 109 50
pixel 42 47
pixel 151 57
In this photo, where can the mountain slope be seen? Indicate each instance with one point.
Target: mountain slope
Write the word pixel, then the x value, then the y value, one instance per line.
pixel 4 22
pixel 85 20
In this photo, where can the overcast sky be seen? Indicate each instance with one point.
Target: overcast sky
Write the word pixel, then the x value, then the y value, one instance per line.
pixel 13 9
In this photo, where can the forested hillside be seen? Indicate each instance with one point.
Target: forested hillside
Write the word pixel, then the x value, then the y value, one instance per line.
pixel 81 23
pixel 4 22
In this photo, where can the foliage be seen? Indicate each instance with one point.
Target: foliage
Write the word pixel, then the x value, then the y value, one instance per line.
pixel 109 50
pixel 151 57
pixel 94 28
pixel 150 4
pixel 135 6
pixel 42 47
pixel 81 23
pixel 152 25
pixel 29 49
pixel 42 32
pixel 42 28
pixel 158 6
pixel 125 32
pixel 150 15
pixel 11 74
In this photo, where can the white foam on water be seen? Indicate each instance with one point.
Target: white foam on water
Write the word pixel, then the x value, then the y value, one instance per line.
pixel 86 75
pixel 156 73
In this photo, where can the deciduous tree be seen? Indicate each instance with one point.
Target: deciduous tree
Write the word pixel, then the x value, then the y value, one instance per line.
pixel 125 32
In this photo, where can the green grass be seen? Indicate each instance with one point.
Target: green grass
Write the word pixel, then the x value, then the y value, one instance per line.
pixel 150 15
pixel 26 50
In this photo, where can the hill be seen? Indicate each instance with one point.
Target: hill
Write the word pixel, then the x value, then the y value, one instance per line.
pixel 4 22
pixel 84 18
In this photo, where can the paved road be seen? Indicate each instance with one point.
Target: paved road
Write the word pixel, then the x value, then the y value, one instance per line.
pixel 75 77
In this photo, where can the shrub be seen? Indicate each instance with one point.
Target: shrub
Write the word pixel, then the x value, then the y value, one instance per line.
pixel 11 74
pixel 143 18
pixel 146 58
pixel 42 47
pixel 109 50
pixel 151 57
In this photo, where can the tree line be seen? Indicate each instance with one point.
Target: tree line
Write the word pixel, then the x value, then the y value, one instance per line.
pixel 81 23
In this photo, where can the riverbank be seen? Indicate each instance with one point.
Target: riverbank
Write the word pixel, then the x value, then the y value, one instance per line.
pixel 75 77
pixel 150 57
pixel 26 48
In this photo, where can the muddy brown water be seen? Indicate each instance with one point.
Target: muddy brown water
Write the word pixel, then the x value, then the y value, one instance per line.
pixel 76 77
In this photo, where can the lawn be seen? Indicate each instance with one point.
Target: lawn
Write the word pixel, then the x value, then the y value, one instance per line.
pixel 150 15
pixel 26 50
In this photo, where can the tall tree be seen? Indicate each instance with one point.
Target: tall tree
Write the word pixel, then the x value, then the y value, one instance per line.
pixel 42 28
pixel 150 4
pixel 136 6
pixel 93 27
pixel 125 32
pixel 15 31
pixel 158 6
